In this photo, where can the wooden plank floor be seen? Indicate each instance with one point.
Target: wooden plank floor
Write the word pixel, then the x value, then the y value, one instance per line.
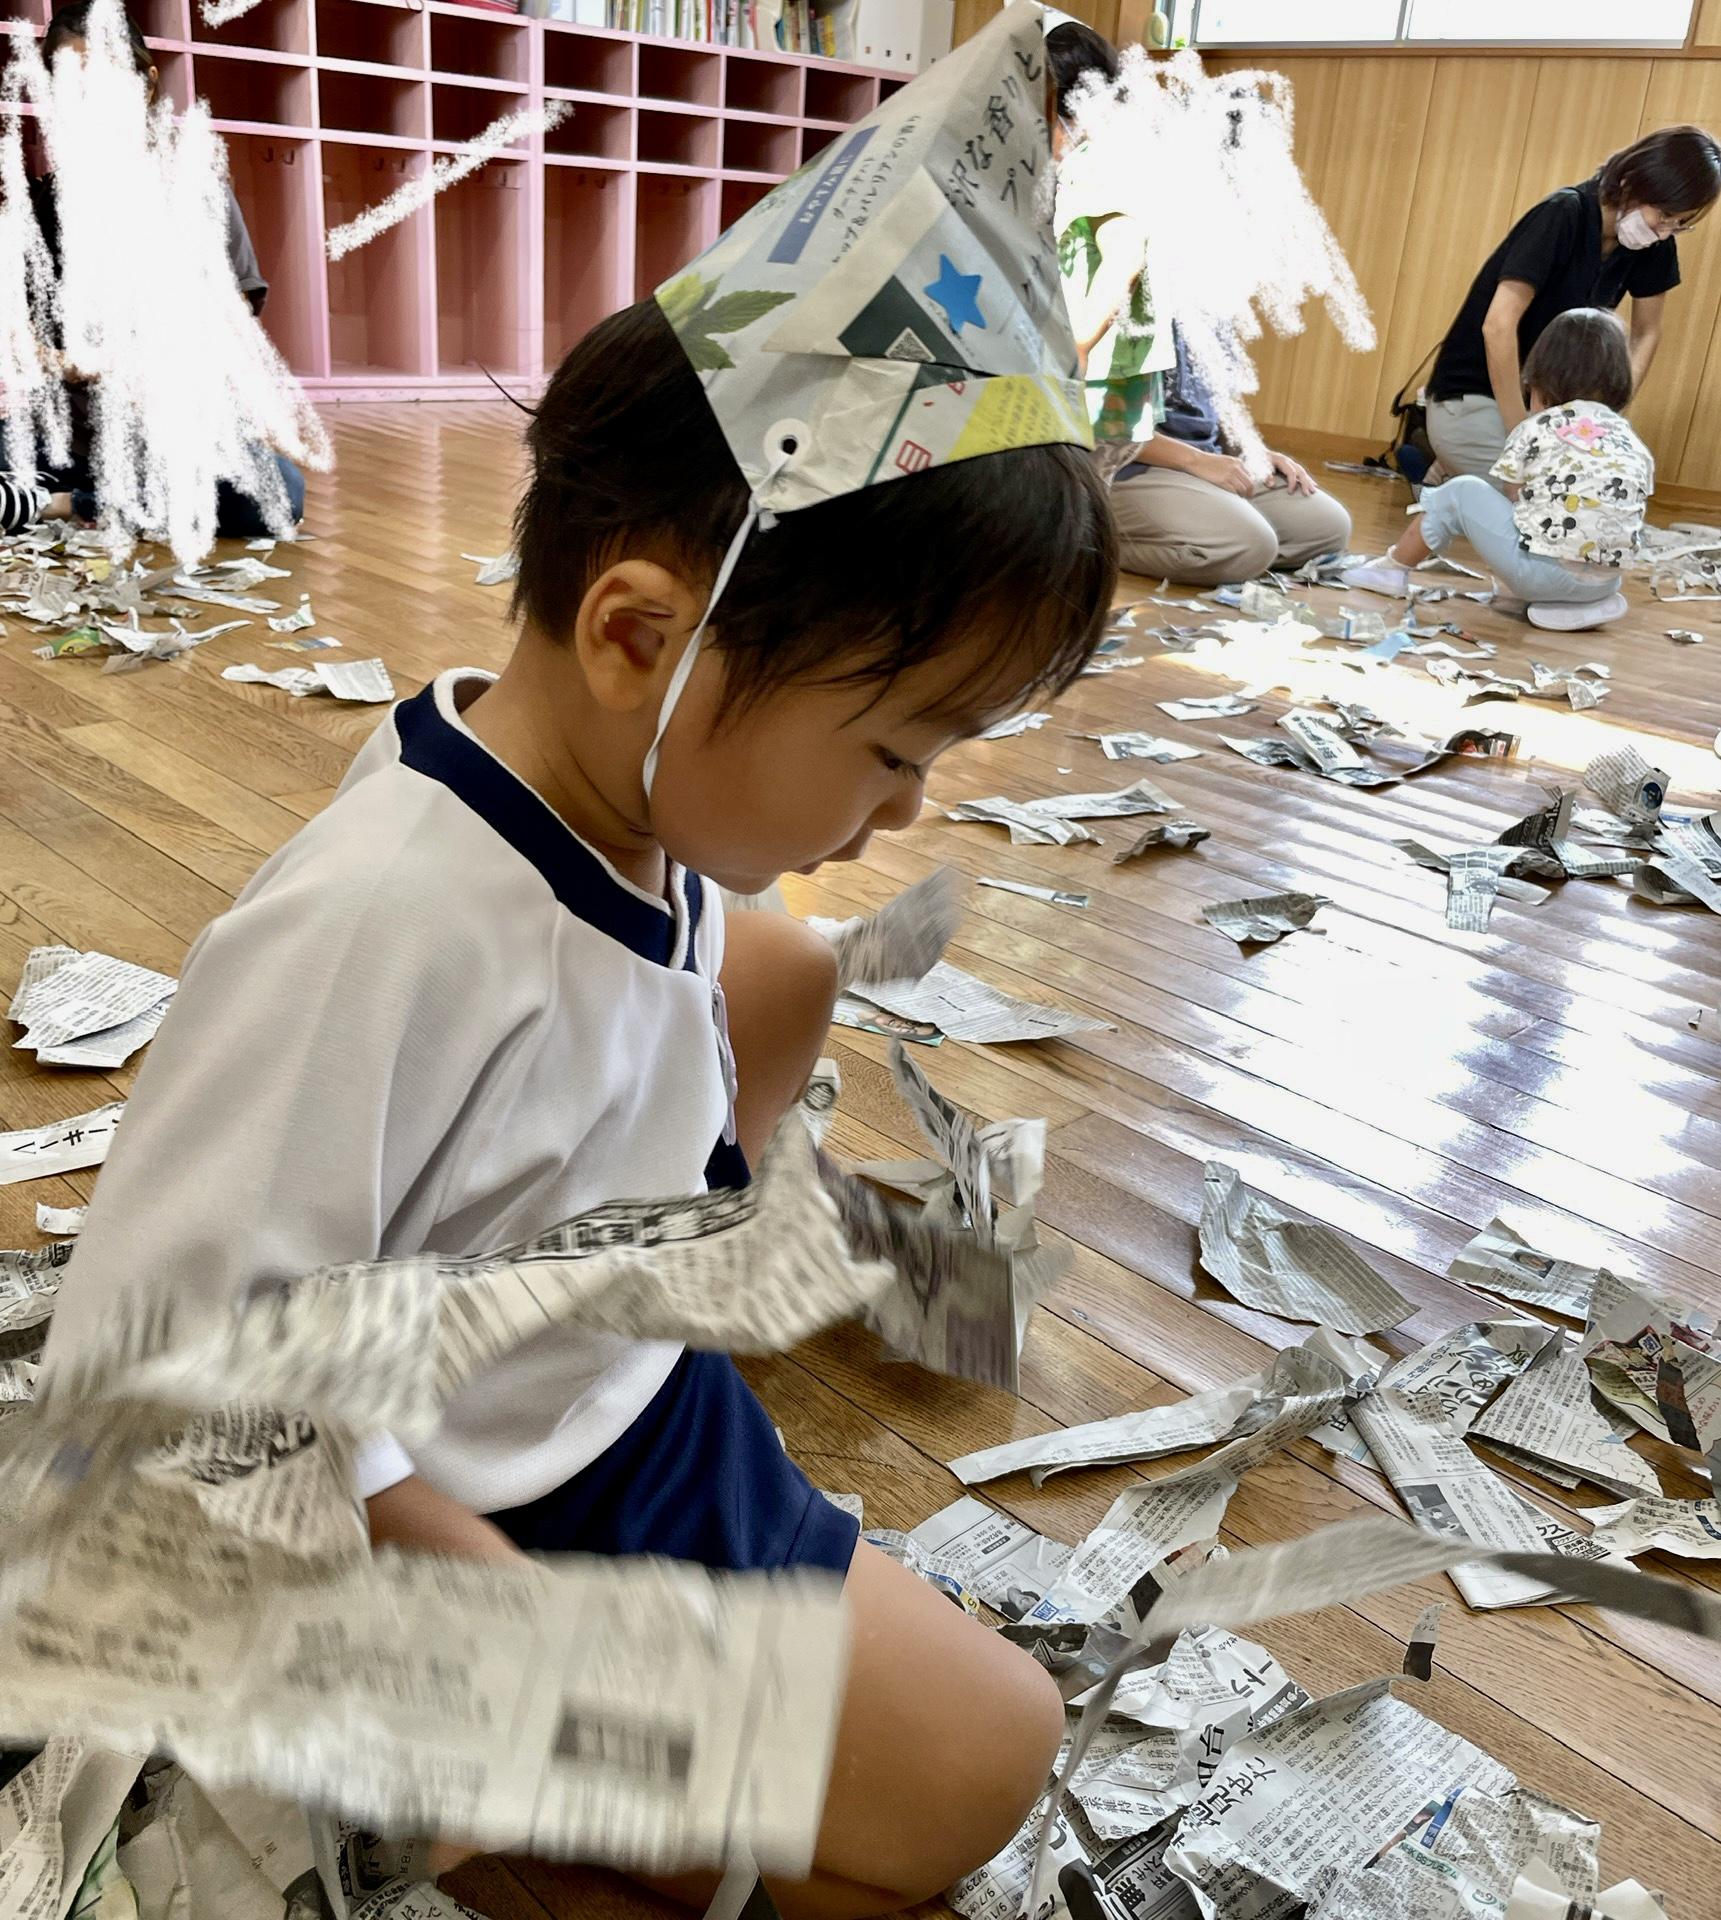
pixel 1398 1081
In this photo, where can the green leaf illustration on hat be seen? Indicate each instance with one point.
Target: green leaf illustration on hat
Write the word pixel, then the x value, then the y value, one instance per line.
pixel 896 305
pixel 689 307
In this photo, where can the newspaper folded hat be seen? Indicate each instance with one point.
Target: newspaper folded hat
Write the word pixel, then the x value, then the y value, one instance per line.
pixel 895 305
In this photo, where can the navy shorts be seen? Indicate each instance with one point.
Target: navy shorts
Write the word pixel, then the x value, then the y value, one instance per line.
pixel 700 1475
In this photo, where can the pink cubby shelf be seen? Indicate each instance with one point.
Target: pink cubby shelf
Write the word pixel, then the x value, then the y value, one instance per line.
pixel 327 106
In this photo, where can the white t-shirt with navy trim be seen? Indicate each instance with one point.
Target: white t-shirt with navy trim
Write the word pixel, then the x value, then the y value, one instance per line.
pixel 434 1021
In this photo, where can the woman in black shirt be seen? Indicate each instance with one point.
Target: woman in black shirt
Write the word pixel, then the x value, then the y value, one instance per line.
pixel 1583 246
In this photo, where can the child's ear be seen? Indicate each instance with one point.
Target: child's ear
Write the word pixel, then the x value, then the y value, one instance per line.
pixel 632 625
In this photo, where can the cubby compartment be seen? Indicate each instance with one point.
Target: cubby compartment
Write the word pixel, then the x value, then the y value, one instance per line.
pixel 18 16
pixel 275 184
pixel 676 139
pixel 587 62
pixel 277 26
pixel 888 86
pixel 593 132
pixel 814 140
pixel 459 114
pixel 479 46
pixel 174 77
pixel 379 32
pixel 380 307
pixel 833 95
pixel 158 19
pixel 373 103
pixel 680 73
pixel 254 92
pixel 483 306
pixel 739 197
pixel 675 220
pixel 759 146
pixel 762 85
pixel 588 247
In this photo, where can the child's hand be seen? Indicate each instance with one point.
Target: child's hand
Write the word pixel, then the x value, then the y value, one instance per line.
pixel 57 507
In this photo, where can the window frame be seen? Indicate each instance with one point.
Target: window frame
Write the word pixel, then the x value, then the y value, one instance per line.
pixel 1402 37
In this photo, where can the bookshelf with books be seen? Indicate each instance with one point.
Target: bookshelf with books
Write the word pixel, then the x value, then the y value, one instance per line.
pixel 328 106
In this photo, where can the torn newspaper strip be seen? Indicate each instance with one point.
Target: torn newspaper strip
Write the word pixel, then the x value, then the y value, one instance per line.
pixel 1688 1529
pixel 1500 1260
pixel 1448 1489
pixel 1660 1364
pixel 61 1222
pixel 366 681
pixel 970 1549
pixel 1462 1368
pixel 646 1714
pixel 1475 878
pixel 62 1146
pixel 1142 746
pixel 1548 1416
pixel 1338 1565
pixel 1541 1893
pixel 1248 1407
pixel 752 1269
pixel 494 570
pixel 1107 1577
pixel 1684 865
pixel 852 1011
pixel 29 1282
pixel 1419 1648
pixel 1297 1269
pixel 1224 706
pixel 1264 917
pixel 1181 832
pixel 1027 828
pixel 904 939
pixel 1017 723
pixel 966 1008
pixel 87 1009
pixel 1053 896
pixel 1412 1819
pixel 962 1190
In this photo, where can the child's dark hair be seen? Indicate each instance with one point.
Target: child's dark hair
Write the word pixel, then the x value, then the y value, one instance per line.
pixel 1676 170
pixel 73 23
pixel 1582 355
pixel 1074 51
pixel 855 590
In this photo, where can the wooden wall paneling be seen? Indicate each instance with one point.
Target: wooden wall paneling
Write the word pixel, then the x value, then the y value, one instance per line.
pixel 1314 82
pixel 1465 179
pixel 1677 394
pixel 1584 110
pixel 1372 139
pixel 1706 30
pixel 971 16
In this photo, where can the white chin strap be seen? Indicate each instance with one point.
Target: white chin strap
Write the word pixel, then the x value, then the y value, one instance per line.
pixel 756 516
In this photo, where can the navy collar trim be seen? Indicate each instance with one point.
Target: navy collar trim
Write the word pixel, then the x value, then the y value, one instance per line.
pixel 434 743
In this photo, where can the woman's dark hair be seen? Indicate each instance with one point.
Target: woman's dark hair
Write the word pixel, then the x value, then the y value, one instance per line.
pixel 1073 51
pixel 1676 170
pixel 1581 355
pixel 73 23
pixel 1018 545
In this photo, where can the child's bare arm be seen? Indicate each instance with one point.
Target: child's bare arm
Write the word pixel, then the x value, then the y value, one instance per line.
pixel 414 1515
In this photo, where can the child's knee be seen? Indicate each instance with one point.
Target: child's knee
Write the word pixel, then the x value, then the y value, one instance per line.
pixel 989 1775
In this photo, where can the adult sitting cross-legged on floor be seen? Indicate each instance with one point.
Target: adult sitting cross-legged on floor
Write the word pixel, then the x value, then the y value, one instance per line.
pixel 1187 510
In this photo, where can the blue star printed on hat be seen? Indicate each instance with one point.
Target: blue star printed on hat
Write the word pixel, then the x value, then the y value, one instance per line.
pixel 837 326
pixel 958 294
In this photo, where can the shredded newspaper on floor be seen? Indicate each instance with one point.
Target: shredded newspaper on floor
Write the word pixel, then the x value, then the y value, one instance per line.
pixel 87 1009
pixel 1264 917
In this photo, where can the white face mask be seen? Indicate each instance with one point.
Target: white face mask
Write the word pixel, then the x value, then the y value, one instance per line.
pixel 1634 230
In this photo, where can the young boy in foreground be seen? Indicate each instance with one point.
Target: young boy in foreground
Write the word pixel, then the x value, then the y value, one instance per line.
pixel 486 988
